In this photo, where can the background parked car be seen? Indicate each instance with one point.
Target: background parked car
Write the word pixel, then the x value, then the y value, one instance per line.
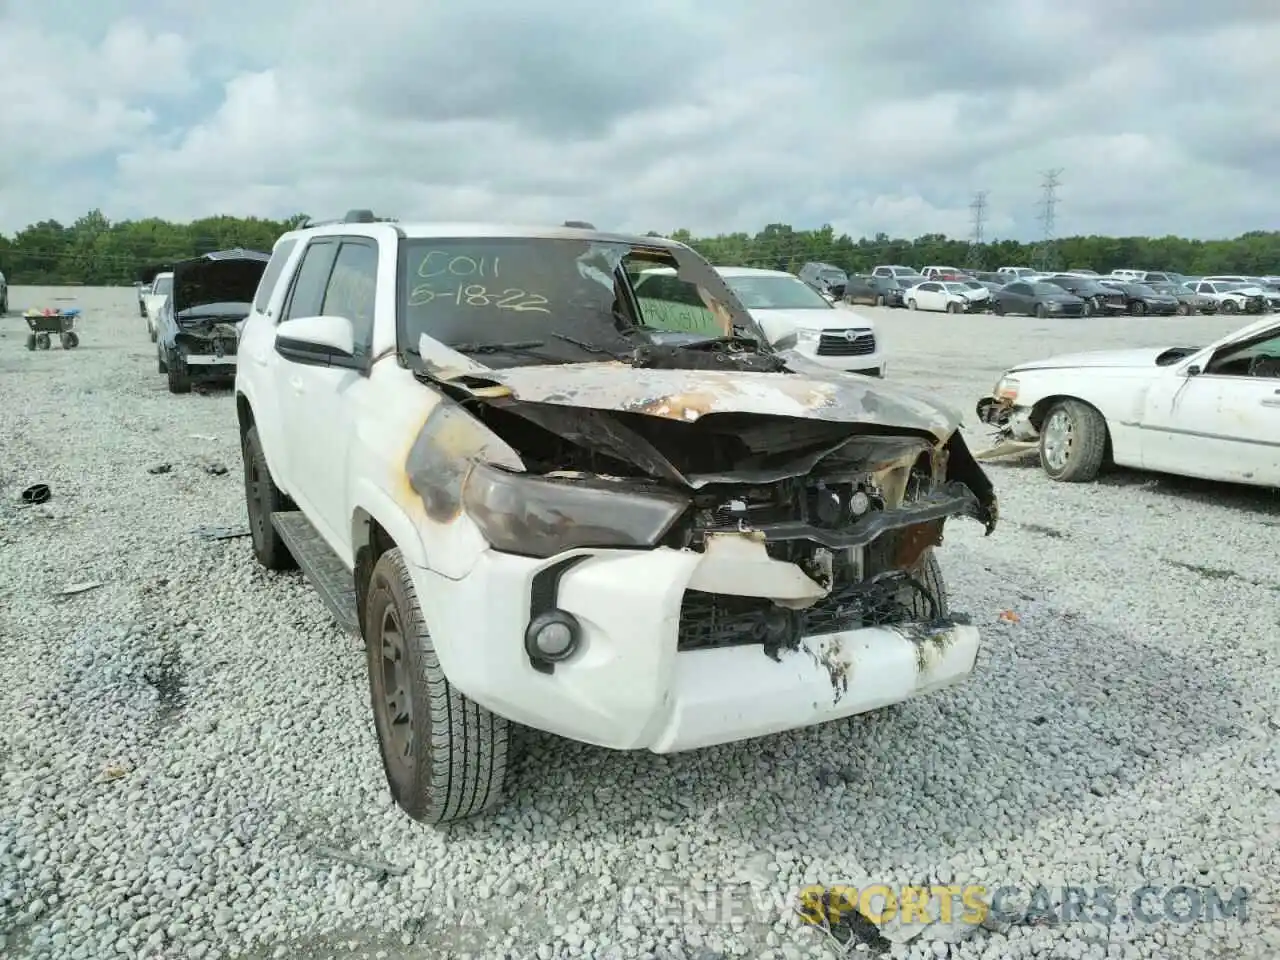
pixel 894 270
pixel 1141 299
pixel 978 292
pixel 4 295
pixel 825 278
pixel 786 308
pixel 893 290
pixel 1098 297
pixel 941 296
pixel 1016 272
pixel 1233 296
pixel 860 289
pixel 941 273
pixel 1036 298
pixel 1188 303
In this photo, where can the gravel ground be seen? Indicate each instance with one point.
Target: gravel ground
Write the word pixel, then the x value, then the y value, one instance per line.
pixel 190 767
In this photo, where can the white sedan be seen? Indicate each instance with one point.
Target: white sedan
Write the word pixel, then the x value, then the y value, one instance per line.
pixel 787 309
pixel 948 296
pixel 1211 412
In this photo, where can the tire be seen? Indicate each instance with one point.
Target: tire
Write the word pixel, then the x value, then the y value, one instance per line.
pixel 1230 306
pixel 930 577
pixel 1041 312
pixel 160 364
pixel 31 341
pixel 1184 309
pixel 911 304
pixel 261 499
pixel 953 308
pixel 881 301
pixel 997 308
pixel 176 367
pixel 68 340
pixel 1073 442
pixel 1138 308
pixel 444 757
pixel 43 341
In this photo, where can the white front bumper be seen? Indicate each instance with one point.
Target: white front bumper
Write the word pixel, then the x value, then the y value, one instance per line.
pixel 628 687
pixel 209 360
pixel 870 363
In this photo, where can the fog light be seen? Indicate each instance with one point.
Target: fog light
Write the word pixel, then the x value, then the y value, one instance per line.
pixel 553 636
pixel 859 503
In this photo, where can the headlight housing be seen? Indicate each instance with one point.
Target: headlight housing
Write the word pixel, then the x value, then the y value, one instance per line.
pixel 1006 389
pixel 805 335
pixel 539 517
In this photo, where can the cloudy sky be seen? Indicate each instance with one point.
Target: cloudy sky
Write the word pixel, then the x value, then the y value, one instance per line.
pixel 875 115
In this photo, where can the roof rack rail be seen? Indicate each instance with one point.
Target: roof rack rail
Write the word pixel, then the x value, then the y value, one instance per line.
pixel 359 216
pixel 580 224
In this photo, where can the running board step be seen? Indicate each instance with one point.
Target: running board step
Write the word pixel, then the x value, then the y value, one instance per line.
pixel 327 573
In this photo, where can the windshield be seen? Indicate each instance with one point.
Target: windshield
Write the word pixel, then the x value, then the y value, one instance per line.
pixel 1166 288
pixel 767 293
pixel 832 274
pixel 1141 289
pixel 559 301
pixel 163 287
pixel 1233 285
pixel 1047 290
pixel 903 272
pixel 954 287
pixel 974 285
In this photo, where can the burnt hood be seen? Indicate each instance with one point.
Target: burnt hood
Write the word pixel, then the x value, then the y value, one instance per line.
pixel 689 395
pixel 223 276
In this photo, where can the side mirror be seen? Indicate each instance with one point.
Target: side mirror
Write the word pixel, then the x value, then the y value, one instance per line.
pixel 316 340
pixel 1194 370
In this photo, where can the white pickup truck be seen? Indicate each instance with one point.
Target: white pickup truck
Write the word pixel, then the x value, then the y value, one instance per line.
pixel 536 508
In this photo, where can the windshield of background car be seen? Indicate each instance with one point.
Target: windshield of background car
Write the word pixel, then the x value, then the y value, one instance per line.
pixel 903 272
pixel 1141 290
pixel 552 292
pixel 832 274
pixel 163 287
pixel 767 293
pixel 1047 290
pixel 955 288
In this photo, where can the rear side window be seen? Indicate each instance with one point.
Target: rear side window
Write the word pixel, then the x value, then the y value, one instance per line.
pixel 307 295
pixel 271 276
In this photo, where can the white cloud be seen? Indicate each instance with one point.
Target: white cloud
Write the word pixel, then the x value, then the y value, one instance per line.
pixel 716 116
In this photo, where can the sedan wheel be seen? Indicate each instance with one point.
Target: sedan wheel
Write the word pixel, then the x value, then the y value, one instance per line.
pixel 1230 306
pixel 911 304
pixel 1073 442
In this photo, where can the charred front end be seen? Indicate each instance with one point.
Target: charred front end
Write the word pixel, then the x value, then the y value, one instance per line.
pixel 804 527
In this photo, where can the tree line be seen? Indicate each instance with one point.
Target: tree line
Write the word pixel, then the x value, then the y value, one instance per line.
pixel 96 251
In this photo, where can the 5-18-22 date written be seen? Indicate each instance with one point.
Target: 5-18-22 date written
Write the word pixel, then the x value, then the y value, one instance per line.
pixel 476 295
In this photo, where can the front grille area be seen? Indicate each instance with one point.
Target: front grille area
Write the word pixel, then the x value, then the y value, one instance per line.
pixel 837 343
pixel 709 620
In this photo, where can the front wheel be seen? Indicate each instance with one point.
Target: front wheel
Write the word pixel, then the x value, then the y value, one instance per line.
pixel 881 301
pixel 444 756
pixel 179 377
pixel 1041 312
pixel 1230 306
pixel 43 342
pixel 911 304
pixel 1073 442
pixel 1184 309
pixel 1138 308
pixel 997 308
pixel 953 307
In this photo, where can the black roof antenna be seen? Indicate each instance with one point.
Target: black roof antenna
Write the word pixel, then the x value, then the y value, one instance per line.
pixel 359 216
pixel 580 224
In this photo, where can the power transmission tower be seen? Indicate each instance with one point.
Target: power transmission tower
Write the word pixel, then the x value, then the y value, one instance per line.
pixel 976 240
pixel 1048 208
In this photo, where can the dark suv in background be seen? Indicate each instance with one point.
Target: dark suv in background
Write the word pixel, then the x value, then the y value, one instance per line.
pixel 824 278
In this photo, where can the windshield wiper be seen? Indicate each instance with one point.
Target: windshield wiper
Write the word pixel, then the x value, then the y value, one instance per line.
pixel 588 347
pixel 507 346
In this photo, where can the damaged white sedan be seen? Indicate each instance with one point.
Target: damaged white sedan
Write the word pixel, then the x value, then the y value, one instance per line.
pixel 1211 412
pixel 537 508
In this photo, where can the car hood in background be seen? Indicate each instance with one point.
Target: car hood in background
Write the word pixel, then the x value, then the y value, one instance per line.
pixel 223 276
pixel 815 319
pixel 1141 357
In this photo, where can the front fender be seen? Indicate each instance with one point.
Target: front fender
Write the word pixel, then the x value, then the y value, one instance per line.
pixel 374 504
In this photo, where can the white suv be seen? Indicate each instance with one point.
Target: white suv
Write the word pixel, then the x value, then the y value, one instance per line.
pixel 537 509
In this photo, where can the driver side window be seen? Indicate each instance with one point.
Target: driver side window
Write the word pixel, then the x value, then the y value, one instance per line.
pixel 669 303
pixel 1261 358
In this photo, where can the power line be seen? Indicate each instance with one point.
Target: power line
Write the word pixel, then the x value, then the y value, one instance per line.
pixel 1048 210
pixel 976 239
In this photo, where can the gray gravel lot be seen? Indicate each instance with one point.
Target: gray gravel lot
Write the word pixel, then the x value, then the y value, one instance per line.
pixel 190 767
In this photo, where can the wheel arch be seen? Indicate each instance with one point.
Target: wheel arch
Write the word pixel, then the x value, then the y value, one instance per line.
pixel 1040 409
pixel 378 525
